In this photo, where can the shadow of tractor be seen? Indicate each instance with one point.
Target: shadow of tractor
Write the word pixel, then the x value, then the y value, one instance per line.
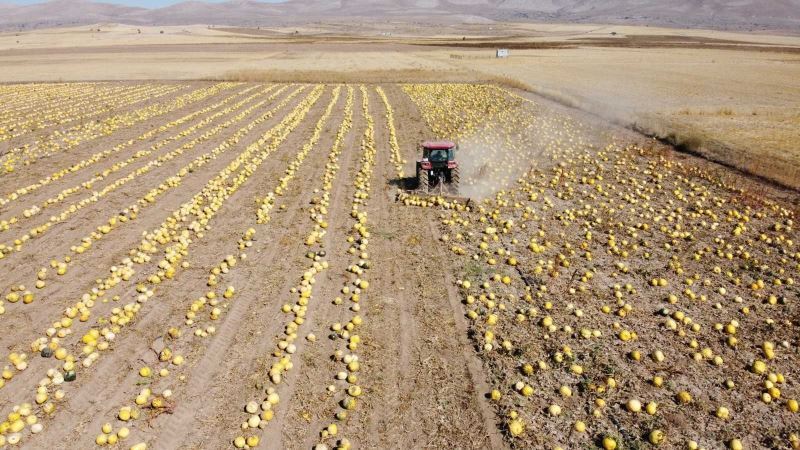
pixel 404 183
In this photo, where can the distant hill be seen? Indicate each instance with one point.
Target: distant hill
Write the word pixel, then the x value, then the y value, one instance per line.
pixel 720 14
pixel 58 12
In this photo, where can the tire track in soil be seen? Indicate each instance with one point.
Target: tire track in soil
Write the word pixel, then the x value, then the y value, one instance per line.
pixel 258 373
pixel 475 368
pixel 307 409
pixel 419 400
pixel 114 250
pixel 152 325
pixel 388 315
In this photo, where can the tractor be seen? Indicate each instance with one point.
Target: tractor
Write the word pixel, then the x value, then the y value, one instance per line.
pixel 438 166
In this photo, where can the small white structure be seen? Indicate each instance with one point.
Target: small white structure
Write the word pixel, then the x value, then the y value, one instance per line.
pixel 502 53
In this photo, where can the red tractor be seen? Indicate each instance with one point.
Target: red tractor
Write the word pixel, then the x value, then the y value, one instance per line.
pixel 438 166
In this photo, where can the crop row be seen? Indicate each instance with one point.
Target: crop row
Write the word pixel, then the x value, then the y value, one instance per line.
pixel 62 140
pixel 174 235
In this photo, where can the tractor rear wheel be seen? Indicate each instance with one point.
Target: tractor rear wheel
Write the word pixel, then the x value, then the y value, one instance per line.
pixel 422 180
pixel 455 178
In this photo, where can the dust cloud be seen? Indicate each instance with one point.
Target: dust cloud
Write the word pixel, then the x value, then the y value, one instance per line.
pixel 625 114
pixel 474 166
pixel 490 166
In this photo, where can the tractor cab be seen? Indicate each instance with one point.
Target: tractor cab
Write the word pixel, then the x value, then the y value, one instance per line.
pixel 438 152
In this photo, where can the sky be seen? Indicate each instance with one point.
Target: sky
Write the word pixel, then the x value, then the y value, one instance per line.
pixel 141 3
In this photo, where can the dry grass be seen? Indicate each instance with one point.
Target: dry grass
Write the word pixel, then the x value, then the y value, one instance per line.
pixel 724 111
pixel 550 94
pixel 362 76
pixel 698 142
pixel 787 175
pixel 512 83
pixel 375 76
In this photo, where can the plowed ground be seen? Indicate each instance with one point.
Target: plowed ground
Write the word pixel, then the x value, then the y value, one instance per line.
pixel 425 373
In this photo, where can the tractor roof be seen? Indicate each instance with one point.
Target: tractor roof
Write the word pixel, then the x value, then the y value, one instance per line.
pixel 438 145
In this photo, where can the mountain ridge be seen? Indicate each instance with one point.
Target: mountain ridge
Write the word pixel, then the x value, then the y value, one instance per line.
pixel 717 14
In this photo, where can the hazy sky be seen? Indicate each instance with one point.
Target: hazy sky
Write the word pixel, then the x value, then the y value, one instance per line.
pixel 143 3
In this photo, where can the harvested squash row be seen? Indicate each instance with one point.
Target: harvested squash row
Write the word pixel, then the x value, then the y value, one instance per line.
pixel 148 246
pixel 64 140
pixel 346 391
pixel 25 104
pixel 395 155
pixel 65 113
pixel 201 320
pixel 209 310
pixel 180 102
pixel 149 199
pixel 186 221
pixel 5 223
pixel 262 410
pixel 18 98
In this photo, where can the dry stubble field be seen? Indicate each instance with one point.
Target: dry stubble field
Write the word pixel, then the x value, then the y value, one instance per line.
pixel 231 265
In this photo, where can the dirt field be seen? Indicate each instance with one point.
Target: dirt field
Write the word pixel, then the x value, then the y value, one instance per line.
pixel 232 265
